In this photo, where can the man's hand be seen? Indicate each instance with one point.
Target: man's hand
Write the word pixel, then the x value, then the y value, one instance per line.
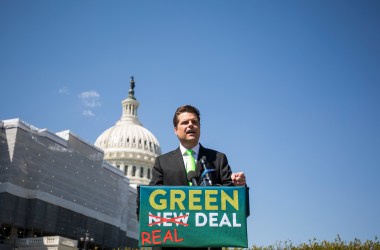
pixel 238 179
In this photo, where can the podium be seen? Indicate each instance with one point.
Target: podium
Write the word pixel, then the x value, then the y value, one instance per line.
pixel 187 216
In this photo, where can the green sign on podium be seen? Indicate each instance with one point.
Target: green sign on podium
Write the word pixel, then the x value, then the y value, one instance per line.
pixel 193 216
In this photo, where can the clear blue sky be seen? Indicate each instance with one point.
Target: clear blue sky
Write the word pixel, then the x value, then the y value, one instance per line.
pixel 289 90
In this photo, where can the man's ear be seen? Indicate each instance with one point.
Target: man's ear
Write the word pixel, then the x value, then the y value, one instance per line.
pixel 175 130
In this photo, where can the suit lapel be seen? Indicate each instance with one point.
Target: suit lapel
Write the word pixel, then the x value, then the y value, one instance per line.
pixel 179 163
pixel 201 153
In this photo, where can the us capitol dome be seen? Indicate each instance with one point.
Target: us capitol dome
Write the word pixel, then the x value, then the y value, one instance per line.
pixel 129 146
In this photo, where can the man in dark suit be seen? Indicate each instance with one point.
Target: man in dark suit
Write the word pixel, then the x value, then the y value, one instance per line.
pixel 170 169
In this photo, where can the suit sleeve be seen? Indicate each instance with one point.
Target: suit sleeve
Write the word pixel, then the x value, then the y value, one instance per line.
pixel 225 172
pixel 157 174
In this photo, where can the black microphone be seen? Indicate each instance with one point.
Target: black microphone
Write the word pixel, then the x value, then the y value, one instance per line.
pixel 192 177
pixel 207 177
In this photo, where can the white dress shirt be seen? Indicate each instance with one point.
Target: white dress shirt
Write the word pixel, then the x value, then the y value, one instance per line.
pixel 185 156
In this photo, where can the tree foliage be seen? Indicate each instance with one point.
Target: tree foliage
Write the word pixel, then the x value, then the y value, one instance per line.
pixel 337 244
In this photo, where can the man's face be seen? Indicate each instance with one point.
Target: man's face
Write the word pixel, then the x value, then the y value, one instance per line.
pixel 188 130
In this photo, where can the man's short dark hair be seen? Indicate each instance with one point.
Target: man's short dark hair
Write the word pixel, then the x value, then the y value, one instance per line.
pixel 188 109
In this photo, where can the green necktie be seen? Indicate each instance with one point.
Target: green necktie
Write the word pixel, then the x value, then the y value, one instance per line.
pixel 190 166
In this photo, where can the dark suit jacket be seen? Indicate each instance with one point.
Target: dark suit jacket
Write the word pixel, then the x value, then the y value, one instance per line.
pixel 169 169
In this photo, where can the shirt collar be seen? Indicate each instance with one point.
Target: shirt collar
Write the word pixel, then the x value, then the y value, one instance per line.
pixel 183 149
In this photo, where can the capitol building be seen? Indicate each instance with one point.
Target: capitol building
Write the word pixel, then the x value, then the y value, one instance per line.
pixel 128 145
pixel 58 191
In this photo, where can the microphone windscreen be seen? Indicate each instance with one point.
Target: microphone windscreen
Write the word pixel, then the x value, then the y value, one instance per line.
pixel 191 175
pixel 203 160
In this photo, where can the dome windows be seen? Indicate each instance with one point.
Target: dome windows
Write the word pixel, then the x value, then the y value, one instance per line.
pixel 141 172
pixel 134 171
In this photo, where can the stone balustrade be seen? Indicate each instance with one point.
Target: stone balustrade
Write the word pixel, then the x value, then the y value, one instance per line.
pixel 61 243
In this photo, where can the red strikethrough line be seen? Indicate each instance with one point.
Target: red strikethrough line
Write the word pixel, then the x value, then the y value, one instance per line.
pixel 173 220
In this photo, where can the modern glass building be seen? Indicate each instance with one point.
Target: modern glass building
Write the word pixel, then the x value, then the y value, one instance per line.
pixel 56 184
